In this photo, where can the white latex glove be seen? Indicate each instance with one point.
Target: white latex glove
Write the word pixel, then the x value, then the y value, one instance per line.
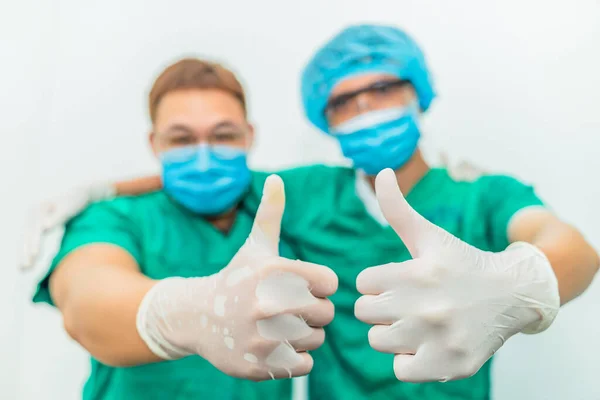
pixel 446 312
pixel 56 212
pixel 254 319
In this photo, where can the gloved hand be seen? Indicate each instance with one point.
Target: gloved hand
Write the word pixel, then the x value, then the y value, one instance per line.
pixel 446 312
pixel 57 212
pixel 254 319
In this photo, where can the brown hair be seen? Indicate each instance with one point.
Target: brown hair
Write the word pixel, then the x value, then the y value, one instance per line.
pixel 193 73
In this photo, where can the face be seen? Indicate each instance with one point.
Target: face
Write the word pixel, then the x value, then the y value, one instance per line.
pixel 195 116
pixel 357 95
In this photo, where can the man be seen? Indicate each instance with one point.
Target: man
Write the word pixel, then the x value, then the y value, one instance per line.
pixel 159 287
pixel 440 315
pixel 446 311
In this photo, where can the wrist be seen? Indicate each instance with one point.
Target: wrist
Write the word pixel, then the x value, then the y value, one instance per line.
pixel 154 321
pixel 544 293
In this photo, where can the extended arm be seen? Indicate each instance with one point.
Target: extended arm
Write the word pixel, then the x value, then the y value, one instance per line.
pixel 573 260
pixel 98 290
pixel 241 319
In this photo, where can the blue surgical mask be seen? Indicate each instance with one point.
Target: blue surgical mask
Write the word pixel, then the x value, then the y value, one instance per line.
pixel 380 139
pixel 208 180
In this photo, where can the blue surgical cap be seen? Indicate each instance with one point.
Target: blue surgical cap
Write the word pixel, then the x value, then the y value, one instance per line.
pixel 358 50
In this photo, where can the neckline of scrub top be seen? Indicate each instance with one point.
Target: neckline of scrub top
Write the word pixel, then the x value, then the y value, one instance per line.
pixel 423 188
pixel 241 224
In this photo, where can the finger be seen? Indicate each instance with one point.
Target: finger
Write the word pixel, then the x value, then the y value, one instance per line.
pixel 55 219
pixel 289 285
pixel 382 278
pixel 416 232
pixel 283 328
pixel 402 337
pixel 407 369
pixel 322 281
pixel 318 314
pixel 304 367
pixel 424 366
pixel 284 362
pixel 267 223
pixel 444 160
pixel 311 342
pixel 377 310
pixel 429 365
pixel 51 215
pixel 314 313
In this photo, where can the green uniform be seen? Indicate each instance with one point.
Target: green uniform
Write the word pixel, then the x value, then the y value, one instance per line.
pixel 166 240
pixel 327 223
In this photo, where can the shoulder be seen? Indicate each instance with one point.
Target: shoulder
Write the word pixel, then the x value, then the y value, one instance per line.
pixel 120 207
pixel 490 191
pixel 502 196
pixel 122 221
pixel 465 172
pixel 500 185
pixel 475 179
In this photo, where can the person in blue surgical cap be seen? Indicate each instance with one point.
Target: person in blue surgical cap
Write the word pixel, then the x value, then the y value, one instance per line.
pixel 435 272
pixel 442 301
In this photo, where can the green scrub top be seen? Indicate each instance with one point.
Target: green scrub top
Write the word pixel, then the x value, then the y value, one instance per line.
pixel 166 240
pixel 326 222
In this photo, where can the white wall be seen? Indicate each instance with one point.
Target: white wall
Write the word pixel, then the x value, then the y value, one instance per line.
pixel 25 83
pixel 519 93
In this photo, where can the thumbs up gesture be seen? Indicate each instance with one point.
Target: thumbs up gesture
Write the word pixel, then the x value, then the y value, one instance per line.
pixel 449 309
pixel 254 319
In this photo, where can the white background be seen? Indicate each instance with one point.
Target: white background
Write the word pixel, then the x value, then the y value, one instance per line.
pixel 519 93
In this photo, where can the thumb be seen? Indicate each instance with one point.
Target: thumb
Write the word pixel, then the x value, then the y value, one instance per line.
pixel 267 223
pixel 414 230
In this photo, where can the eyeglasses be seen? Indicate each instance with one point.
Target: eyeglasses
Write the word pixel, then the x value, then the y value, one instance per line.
pixel 182 136
pixel 379 94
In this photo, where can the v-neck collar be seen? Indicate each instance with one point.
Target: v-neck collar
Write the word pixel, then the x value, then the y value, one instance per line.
pixel 424 188
pixel 241 223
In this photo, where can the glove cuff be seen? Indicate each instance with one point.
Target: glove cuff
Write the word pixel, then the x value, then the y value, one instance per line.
pixel 148 324
pixel 549 300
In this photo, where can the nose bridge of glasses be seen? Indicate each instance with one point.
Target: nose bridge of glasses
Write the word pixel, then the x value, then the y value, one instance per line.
pixel 363 101
pixel 376 98
pixel 207 138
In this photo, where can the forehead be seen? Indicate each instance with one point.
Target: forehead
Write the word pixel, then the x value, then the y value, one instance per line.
pixel 357 82
pixel 198 108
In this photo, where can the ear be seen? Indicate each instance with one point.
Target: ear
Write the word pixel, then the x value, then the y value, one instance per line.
pixel 251 134
pixel 152 142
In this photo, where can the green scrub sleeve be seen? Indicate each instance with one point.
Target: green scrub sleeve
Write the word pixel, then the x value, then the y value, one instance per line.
pixel 502 198
pixel 105 222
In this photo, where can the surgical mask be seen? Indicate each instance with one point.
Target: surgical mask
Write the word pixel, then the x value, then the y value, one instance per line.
pixel 207 180
pixel 380 139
